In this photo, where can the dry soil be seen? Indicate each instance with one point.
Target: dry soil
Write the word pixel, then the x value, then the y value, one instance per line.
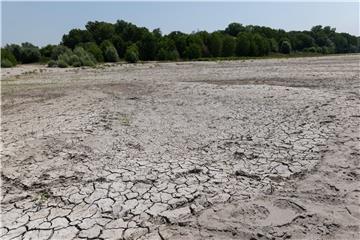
pixel 257 149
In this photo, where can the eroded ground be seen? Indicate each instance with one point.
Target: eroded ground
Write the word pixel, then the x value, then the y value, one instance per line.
pixel 265 149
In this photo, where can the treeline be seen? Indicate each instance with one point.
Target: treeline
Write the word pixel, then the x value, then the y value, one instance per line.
pixel 107 42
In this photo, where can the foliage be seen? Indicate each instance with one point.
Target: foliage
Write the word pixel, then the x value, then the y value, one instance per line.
pixel 29 53
pixel 100 31
pixel 243 44
pixel 15 50
pixel 7 58
pixel 76 36
pixel 193 51
pixel 47 50
pixel 215 44
pixel 234 29
pixel 52 63
pixel 285 47
pixel 102 41
pixel 111 54
pixel 58 50
pixel 132 54
pixel 83 57
pixel 77 58
pixel 6 63
pixel 119 44
pixel 148 47
pixel 94 49
pixel 229 45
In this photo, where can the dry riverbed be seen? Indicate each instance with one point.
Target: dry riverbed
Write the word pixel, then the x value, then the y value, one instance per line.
pixel 258 149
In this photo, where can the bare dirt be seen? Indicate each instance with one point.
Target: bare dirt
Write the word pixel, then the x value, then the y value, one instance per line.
pixel 258 149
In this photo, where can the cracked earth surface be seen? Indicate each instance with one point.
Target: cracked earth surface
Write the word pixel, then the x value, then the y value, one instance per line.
pixel 262 149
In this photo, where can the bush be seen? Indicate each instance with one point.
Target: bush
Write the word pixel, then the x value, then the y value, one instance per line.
pixel 167 55
pixel 193 51
pixel 243 45
pixel 95 50
pixel 52 63
pixel 6 63
pixel 58 50
pixel 79 57
pixel 228 47
pixel 7 57
pixel 111 54
pixel 132 54
pixel 77 64
pixel 29 53
pixel 15 50
pixel 85 58
pixel 47 50
pixel 215 44
pixel 285 47
pixel 62 64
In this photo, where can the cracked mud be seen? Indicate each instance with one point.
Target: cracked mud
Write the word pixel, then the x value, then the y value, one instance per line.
pixel 263 149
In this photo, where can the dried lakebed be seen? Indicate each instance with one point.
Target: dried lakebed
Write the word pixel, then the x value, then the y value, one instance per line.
pixel 262 149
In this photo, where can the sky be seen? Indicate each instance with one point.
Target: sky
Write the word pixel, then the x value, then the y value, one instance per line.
pixel 44 23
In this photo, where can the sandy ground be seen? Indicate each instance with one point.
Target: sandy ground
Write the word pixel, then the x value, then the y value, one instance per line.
pixel 262 149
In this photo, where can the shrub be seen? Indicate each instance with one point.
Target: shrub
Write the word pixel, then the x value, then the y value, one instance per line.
pixel 29 53
pixel 77 64
pixel 85 58
pixel 6 63
pixel 52 63
pixel 274 46
pixel 15 50
pixel 167 55
pixel 7 57
pixel 95 50
pixel 215 44
pixel 58 50
pixel 111 54
pixel 79 57
pixel 47 50
pixel 243 45
pixel 285 47
pixel 132 54
pixel 228 47
pixel 62 64
pixel 193 51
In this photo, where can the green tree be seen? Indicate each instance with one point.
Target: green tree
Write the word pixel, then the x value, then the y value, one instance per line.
pixel 84 57
pixel 234 29
pixel 285 47
pixel 132 54
pixel 148 47
pixel 94 49
pixel 215 44
pixel 7 58
pixel 243 44
pixel 29 53
pixel 228 46
pixel 193 51
pixel 341 43
pixel 119 44
pixel 15 50
pixel 111 54
pixel 76 36
pixel 100 31
pixel 262 45
pixel 274 46
pixel 47 50
pixel 58 50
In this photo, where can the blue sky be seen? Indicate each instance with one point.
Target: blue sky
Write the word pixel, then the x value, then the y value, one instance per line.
pixel 45 22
